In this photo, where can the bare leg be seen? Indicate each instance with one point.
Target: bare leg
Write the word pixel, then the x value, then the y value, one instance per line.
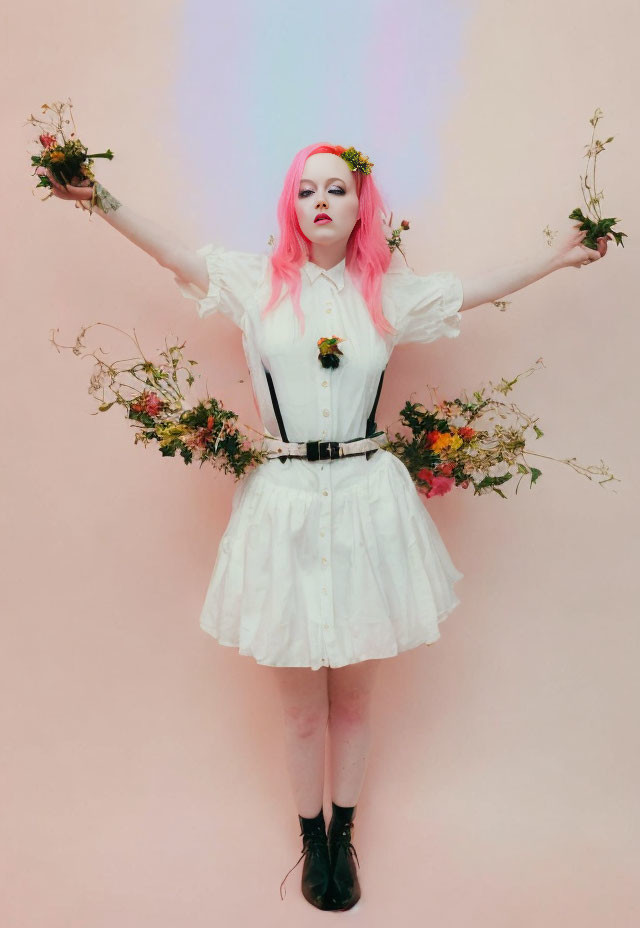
pixel 350 690
pixel 305 708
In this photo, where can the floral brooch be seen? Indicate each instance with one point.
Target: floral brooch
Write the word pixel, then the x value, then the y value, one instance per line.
pixel 330 354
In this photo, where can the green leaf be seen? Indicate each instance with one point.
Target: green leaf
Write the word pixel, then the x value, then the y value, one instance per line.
pixel 535 473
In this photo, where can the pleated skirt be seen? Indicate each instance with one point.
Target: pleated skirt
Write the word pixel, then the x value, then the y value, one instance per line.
pixel 328 563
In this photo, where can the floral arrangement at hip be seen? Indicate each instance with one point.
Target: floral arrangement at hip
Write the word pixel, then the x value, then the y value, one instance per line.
pixel 454 445
pixel 150 393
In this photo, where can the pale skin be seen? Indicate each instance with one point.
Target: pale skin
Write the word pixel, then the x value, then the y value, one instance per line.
pixel 335 697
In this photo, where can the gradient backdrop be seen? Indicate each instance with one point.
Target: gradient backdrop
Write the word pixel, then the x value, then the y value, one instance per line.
pixel 143 777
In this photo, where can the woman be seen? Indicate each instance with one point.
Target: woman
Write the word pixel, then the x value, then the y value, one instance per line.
pixel 330 562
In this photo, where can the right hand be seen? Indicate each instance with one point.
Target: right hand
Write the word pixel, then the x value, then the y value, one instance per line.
pixel 82 192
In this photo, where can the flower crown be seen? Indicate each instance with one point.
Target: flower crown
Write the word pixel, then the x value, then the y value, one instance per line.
pixel 357 161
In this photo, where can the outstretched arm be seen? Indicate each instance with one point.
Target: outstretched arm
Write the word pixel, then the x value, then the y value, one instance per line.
pixel 158 242
pixel 494 285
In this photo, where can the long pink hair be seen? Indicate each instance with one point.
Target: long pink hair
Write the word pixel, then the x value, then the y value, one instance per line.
pixel 367 256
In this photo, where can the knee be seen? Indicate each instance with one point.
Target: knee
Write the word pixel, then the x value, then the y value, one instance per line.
pixel 350 708
pixel 306 722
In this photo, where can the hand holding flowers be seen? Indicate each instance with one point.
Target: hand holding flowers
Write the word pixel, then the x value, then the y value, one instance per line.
pixel 64 164
pixel 588 241
pixel 572 252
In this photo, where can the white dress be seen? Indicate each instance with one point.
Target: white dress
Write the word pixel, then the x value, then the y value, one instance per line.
pixel 326 563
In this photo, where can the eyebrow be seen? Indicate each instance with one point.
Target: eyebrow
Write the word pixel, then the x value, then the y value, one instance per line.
pixel 305 180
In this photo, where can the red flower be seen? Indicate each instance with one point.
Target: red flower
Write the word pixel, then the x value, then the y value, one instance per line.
pixel 446 469
pixel 440 486
pixel 48 141
pixel 149 403
pixel 154 404
pixel 466 432
pixel 430 438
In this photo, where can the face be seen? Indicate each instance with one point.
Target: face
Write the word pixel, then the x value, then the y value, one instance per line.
pixel 327 186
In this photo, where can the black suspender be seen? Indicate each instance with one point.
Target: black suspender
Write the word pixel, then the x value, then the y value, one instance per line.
pixel 371 423
pixel 276 406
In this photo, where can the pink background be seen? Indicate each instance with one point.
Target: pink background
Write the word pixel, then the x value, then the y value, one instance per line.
pixel 143 776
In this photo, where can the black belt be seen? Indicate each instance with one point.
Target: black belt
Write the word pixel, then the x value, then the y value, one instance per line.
pixel 323 450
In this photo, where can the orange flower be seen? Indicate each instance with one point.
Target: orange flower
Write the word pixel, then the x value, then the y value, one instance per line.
pixel 442 441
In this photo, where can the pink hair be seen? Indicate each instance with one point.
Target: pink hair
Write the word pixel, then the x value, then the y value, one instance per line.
pixel 367 256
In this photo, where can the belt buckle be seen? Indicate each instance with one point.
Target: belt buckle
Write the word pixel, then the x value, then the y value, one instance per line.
pixel 322 450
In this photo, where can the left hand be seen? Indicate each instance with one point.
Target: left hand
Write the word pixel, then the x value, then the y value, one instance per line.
pixel 570 253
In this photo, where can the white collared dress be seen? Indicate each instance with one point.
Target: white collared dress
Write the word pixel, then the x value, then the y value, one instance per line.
pixel 326 563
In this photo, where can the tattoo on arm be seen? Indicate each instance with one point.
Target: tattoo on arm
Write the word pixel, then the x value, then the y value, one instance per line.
pixel 104 199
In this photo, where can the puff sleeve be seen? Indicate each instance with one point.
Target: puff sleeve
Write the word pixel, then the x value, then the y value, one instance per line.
pixel 234 277
pixel 424 307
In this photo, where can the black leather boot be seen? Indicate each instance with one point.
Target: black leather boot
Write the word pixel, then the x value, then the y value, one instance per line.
pixel 345 888
pixel 316 868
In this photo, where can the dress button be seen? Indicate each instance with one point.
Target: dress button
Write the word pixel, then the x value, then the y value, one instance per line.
pixel 324 589
pixel 325 492
pixel 328 310
pixel 326 626
pixel 324 560
pixel 322 534
pixel 324 432
pixel 325 383
pixel 325 412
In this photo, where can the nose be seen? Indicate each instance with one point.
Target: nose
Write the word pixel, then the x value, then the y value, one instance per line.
pixel 322 203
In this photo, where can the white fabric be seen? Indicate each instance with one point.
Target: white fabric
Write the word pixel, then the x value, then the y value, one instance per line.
pixel 326 563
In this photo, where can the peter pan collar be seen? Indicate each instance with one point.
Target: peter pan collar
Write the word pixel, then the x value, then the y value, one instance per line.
pixel 335 273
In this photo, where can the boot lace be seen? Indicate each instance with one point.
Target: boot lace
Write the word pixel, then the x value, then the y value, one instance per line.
pixel 311 844
pixel 341 837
